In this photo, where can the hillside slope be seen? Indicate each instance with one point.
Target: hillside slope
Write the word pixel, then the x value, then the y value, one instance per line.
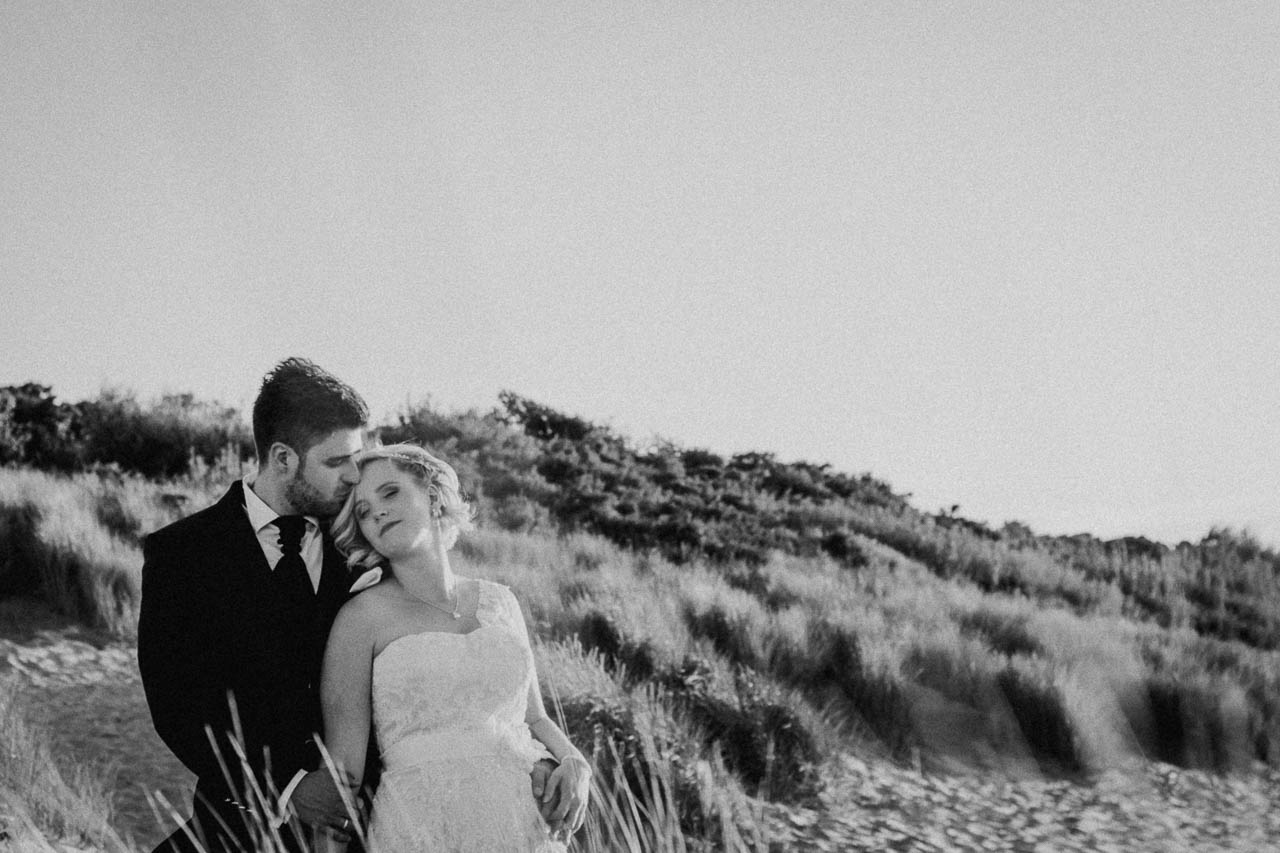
pixel 774 619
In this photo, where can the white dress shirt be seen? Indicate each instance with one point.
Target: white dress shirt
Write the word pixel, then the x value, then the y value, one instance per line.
pixel 263 517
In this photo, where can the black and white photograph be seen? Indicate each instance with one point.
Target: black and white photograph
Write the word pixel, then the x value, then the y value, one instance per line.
pixel 577 427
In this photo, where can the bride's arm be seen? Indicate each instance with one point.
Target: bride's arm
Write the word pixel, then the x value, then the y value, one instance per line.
pixel 546 731
pixel 571 781
pixel 569 785
pixel 345 689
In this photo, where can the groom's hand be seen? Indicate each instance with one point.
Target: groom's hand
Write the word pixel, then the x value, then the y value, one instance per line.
pixel 538 779
pixel 317 802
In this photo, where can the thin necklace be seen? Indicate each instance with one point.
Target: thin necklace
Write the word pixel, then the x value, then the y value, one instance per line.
pixel 454 611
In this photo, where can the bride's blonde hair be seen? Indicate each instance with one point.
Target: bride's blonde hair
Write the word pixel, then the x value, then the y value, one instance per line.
pixel 434 475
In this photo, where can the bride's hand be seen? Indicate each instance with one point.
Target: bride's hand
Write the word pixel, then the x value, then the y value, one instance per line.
pixel 570 788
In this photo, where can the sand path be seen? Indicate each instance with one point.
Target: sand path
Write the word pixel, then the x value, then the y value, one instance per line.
pixel 84 689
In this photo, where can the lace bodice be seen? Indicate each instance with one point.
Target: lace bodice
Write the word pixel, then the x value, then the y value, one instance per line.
pixel 449 713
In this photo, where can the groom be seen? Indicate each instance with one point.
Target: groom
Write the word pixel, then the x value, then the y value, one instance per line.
pixel 237 601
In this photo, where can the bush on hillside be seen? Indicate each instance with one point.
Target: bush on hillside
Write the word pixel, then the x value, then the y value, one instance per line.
pixel 689 504
pixel 166 439
pixel 37 430
pixel 530 467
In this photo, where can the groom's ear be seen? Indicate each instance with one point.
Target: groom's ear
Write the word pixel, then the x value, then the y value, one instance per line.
pixel 282 457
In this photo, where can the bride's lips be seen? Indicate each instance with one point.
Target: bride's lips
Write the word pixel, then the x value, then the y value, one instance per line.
pixel 387 526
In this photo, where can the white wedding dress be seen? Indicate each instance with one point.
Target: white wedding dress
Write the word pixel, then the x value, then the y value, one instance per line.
pixel 449 714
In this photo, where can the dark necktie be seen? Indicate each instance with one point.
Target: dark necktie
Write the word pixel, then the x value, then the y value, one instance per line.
pixel 291 572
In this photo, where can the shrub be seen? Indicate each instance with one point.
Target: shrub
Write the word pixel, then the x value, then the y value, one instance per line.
pixel 165 439
pixel 37 430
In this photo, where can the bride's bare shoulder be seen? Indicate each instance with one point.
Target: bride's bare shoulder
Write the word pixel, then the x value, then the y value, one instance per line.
pixel 365 609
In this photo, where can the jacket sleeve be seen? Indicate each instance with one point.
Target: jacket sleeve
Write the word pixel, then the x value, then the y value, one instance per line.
pixel 180 657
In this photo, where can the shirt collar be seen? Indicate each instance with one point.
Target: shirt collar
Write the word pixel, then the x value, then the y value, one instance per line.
pixel 261 515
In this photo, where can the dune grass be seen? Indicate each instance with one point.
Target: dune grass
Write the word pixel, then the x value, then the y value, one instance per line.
pixel 74 541
pixel 706 690
pixel 45 796
pixel 648 796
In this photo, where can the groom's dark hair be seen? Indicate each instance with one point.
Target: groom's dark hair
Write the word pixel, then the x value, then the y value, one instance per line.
pixel 300 403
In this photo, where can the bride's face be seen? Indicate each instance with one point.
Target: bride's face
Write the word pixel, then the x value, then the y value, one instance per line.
pixel 393 510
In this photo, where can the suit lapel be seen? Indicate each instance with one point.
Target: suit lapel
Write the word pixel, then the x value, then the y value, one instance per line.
pixel 238 541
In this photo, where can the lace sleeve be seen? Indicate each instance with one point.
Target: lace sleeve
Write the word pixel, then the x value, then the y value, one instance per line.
pixel 510 612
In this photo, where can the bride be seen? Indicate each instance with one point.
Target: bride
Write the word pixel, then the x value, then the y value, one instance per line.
pixel 440 666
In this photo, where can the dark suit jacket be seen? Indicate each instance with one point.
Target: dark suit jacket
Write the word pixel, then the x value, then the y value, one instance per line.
pixel 214 626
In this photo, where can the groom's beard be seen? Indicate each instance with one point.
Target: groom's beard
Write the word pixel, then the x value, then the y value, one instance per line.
pixel 308 500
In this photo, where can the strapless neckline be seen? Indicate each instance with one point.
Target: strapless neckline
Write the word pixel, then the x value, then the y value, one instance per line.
pixel 483 603
pixel 430 633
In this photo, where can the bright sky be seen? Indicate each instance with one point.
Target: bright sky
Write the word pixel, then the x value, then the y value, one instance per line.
pixel 1015 256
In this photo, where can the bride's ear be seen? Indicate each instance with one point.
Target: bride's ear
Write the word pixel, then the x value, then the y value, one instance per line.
pixel 436 503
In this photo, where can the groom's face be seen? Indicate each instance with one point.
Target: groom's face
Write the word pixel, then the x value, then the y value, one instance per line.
pixel 325 475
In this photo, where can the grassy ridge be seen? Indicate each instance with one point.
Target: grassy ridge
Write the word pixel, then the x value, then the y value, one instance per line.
pixel 890 655
pixel 530 464
pixel 723 626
